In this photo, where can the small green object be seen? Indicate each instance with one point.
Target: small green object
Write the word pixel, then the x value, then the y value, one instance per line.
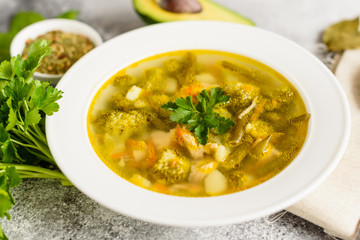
pixel 342 35
pixel 72 14
pixel 2 235
pixel 201 117
pixel 151 12
pixel 24 19
pixel 5 41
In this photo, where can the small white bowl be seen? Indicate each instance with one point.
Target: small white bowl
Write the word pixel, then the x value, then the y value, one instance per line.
pixel 328 134
pixel 34 30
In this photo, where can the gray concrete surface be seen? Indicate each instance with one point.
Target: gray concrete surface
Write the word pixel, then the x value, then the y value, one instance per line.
pixel 46 210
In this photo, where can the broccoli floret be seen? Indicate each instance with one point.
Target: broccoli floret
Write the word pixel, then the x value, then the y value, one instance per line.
pixel 119 102
pixel 156 101
pixel 171 168
pixel 124 80
pixel 237 178
pixel 153 80
pixel 118 122
pixel 186 75
pixel 241 95
pixel 172 66
pixel 164 124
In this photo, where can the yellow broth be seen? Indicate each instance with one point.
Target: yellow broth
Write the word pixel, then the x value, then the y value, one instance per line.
pixel 136 139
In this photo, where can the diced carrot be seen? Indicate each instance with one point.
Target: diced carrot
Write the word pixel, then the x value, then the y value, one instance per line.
pixel 159 187
pixel 192 90
pixel 146 94
pixel 195 188
pixel 117 155
pixel 258 109
pixel 178 134
pixel 131 142
pixel 151 159
pixel 136 144
pixel 247 87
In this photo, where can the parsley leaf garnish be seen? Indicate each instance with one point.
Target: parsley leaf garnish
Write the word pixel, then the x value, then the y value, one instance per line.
pixel 201 117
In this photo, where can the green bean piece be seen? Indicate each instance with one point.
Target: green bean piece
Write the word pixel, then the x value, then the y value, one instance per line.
pixel 254 74
pixel 238 133
pixel 240 124
pixel 302 118
pixel 261 147
pixel 234 160
pixel 187 75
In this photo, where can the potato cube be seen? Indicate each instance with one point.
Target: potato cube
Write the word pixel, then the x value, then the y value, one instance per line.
pixel 215 183
pixel 133 93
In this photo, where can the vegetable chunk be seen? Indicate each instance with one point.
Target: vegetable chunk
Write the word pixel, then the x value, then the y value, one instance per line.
pixel 141 181
pixel 215 183
pixel 133 93
pixel 118 122
pixel 171 167
pixel 259 129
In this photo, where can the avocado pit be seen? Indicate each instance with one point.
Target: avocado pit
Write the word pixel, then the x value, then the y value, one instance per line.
pixel 181 6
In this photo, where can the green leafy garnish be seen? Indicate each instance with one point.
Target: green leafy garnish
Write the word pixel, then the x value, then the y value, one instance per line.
pixel 24 103
pixel 24 19
pixel 342 35
pixel 20 21
pixel 72 14
pixel 8 178
pixel 201 117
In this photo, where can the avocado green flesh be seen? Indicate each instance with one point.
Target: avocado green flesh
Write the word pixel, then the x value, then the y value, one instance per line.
pixel 151 12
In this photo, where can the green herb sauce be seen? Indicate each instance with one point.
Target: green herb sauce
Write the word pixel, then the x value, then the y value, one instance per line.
pixel 67 48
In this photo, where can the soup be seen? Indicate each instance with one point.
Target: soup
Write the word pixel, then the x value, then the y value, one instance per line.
pixel 197 123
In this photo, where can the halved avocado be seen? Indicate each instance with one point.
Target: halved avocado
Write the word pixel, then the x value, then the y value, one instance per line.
pixel 151 12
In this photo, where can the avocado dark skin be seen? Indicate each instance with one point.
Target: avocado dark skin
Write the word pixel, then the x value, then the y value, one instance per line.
pixel 181 6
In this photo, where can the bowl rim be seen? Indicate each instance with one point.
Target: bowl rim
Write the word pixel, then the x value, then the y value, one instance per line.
pixel 67 25
pixel 334 94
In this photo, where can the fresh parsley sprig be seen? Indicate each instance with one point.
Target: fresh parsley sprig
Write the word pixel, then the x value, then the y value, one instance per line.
pixel 24 103
pixel 201 117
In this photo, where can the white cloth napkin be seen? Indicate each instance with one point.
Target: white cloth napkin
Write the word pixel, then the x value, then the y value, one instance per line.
pixel 335 205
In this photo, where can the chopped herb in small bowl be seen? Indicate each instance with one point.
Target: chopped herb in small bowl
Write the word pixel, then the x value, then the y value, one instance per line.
pixel 69 41
pixel 66 47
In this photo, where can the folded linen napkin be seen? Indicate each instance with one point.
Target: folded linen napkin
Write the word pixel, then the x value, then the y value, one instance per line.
pixel 335 205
